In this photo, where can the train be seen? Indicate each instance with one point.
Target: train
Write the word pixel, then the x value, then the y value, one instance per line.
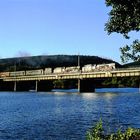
pixel 61 70
pixel 99 67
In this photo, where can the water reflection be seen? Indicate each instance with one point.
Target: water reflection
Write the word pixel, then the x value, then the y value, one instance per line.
pixel 110 95
pixel 91 96
pixel 59 93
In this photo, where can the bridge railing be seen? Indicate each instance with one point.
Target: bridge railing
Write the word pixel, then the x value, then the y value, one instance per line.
pixel 134 68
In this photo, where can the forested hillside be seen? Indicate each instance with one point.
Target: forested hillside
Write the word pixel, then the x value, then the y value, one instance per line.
pixel 37 62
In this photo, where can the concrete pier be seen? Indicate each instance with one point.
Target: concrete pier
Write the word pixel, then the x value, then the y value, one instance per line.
pixel 15 86
pixel 86 85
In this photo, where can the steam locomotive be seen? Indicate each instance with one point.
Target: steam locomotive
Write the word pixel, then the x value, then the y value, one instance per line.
pixel 60 70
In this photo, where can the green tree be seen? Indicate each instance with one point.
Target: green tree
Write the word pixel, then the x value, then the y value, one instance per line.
pixel 131 52
pixel 59 83
pixel 124 17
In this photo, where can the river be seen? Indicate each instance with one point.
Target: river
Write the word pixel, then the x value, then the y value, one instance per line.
pixel 66 115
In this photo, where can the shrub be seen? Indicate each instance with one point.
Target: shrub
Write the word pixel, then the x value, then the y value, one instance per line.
pixel 97 133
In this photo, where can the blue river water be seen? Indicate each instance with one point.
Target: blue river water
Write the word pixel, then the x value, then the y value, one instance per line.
pixel 66 115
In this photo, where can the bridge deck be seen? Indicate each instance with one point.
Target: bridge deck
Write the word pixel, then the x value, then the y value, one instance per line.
pixel 98 74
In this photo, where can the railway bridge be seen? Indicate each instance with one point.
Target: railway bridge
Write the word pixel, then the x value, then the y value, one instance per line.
pixel 84 79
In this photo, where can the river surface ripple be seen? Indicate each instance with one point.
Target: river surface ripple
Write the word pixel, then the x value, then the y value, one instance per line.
pixel 66 116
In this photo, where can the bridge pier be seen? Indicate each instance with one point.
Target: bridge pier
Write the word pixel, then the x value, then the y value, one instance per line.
pixel 44 85
pixel 36 85
pixel 86 85
pixel 15 86
pixel 79 85
pixel 139 86
pixel 25 85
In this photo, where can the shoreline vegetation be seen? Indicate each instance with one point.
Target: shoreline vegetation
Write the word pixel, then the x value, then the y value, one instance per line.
pixel 97 133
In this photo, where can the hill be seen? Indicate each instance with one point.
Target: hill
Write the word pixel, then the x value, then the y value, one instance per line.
pixel 39 62
pixel 132 64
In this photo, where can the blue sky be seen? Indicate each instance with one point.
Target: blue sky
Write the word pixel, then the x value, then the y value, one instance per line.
pixel 48 27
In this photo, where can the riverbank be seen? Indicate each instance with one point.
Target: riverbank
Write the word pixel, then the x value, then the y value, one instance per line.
pixel 97 133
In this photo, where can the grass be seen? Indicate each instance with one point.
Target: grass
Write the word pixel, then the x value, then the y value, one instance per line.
pixel 97 133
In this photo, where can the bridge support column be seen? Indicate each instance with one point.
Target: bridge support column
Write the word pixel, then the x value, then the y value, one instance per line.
pixel 139 86
pixel 15 86
pixel 44 85
pixel 79 85
pixel 36 86
pixel 85 85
